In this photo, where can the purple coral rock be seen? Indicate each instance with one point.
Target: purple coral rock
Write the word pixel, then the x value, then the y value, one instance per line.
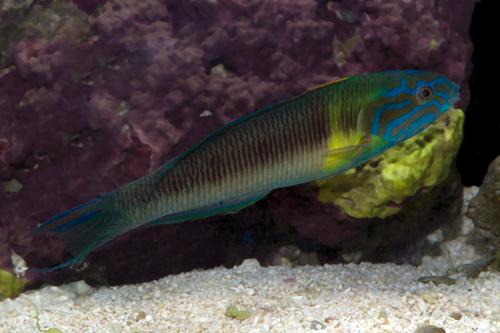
pixel 80 117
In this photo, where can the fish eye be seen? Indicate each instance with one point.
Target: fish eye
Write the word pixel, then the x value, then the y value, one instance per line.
pixel 424 94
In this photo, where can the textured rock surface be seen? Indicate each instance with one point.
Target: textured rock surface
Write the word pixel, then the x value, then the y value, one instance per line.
pixel 484 208
pixel 94 94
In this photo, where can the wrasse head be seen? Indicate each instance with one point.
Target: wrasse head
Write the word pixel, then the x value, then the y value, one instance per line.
pixel 409 101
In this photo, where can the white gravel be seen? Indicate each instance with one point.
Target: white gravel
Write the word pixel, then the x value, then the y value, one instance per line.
pixel 332 298
pixel 341 298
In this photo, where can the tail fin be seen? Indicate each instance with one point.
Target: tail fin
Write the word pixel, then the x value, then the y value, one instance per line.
pixel 84 228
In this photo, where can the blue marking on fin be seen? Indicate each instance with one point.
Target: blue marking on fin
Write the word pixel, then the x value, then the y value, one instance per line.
pixel 63 214
pixel 83 228
pixel 76 221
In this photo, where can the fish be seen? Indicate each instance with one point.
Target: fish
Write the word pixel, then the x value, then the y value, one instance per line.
pixel 318 134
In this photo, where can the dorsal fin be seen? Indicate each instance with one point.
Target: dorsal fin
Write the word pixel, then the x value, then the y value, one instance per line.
pixel 322 85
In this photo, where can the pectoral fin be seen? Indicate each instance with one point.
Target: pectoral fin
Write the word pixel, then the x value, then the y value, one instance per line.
pixel 345 152
pixel 342 158
pixel 350 152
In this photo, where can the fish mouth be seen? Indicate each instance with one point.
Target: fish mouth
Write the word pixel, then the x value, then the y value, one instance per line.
pixel 455 97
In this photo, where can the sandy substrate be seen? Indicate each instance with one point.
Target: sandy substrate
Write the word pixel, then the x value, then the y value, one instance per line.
pixel 351 298
pixel 340 298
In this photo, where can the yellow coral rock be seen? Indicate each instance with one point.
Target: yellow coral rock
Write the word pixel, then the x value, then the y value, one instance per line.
pixel 10 286
pixel 377 188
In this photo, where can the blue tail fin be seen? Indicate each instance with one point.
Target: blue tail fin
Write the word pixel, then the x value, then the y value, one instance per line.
pixel 84 228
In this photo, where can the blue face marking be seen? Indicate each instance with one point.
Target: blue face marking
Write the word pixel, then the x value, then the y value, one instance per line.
pixel 420 124
pixel 417 107
pixel 441 94
pixel 416 126
pixel 378 113
pixel 402 89
pixel 405 118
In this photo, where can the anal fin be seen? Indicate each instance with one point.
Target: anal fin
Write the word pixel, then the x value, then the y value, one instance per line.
pixel 226 207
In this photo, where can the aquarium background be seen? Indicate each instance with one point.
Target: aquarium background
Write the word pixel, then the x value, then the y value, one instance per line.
pixel 94 94
pixel 482 129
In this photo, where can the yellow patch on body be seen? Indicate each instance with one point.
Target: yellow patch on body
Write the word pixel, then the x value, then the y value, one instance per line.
pixel 341 150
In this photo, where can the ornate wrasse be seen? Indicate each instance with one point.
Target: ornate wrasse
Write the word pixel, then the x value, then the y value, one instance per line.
pixel 318 134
